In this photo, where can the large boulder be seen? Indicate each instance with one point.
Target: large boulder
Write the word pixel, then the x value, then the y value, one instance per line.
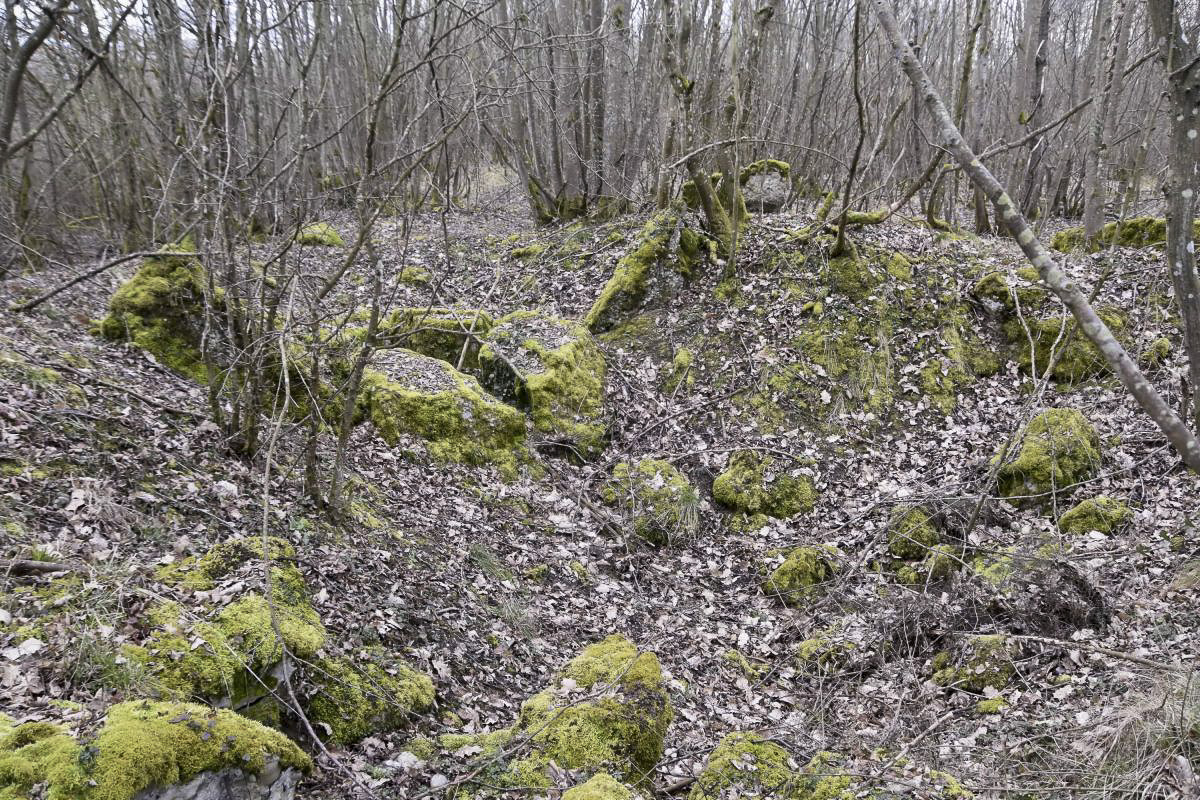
pixel 766 185
pixel 552 367
pixel 151 751
pixel 408 394
pixel 1060 449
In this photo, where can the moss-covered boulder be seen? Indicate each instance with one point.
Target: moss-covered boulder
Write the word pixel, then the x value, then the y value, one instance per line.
pixel 916 554
pixel 746 765
pixel 552 367
pixel 408 394
pixel 1058 336
pixel 803 574
pixel 828 651
pixel 978 663
pixel 660 499
pixel 320 234
pixel 161 310
pixel 1100 513
pixel 662 256
pixel 231 655
pixel 444 333
pixel 607 711
pixel 1060 448
pixel 144 747
pixel 1001 293
pixel 370 692
pixel 600 786
pixel 754 486
pixel 1136 232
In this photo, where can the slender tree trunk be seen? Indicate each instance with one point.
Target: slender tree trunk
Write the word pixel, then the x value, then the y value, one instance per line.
pixel 1175 429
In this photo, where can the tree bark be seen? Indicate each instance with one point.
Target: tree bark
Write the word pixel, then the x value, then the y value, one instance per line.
pixel 1176 431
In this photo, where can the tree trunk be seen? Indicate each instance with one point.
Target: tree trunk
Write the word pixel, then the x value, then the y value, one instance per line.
pixel 1175 430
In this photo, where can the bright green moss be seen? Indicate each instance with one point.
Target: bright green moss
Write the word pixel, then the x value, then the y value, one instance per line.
pixel 1059 449
pixel 626 289
pixel 682 371
pixel 825 653
pixel 981 662
pixel 620 730
pixel 802 575
pixel 781 168
pixel 601 786
pixel 460 422
pixel 320 234
pixel 358 697
pixel 142 745
pixel 852 275
pixel 661 499
pixel 561 377
pixel 911 534
pixel 752 484
pixel 995 291
pixel 160 309
pixel 746 765
pixel 202 573
pixel 992 705
pixel 1079 360
pixel 527 252
pixel 1100 513
pixel 413 275
pixel 442 333
pixel 1157 353
pixel 1136 232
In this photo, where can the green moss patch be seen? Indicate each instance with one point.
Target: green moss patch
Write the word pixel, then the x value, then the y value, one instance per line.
pixel 977 664
pixel 411 394
pixel 1100 513
pixel 753 484
pixel 1060 448
pixel 745 765
pixel 802 575
pixel 664 247
pixel 661 500
pixel 1136 232
pixel 1078 359
pixel 161 310
pixel 443 333
pixel 372 693
pixel 142 745
pixel 320 234
pixel 600 786
pixel 552 367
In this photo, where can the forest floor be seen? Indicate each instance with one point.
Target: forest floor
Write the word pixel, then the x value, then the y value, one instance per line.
pixel 491 585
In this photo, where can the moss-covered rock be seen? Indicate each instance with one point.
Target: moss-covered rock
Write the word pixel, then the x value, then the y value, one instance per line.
pixel 1060 448
pixel 161 310
pixel 661 500
pixel 1078 360
pixel 746 765
pixel 552 367
pixel 443 333
pixel 619 729
pixel 661 256
pixel 977 664
pixel 911 534
pixel 683 373
pixel 410 394
pixel 1136 232
pixel 827 652
pixel 600 786
pixel 753 485
pixel 803 574
pixel 1100 513
pixel 414 275
pixel 998 293
pixel 320 234
pixel 148 745
pixel 1157 353
pixel 370 693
